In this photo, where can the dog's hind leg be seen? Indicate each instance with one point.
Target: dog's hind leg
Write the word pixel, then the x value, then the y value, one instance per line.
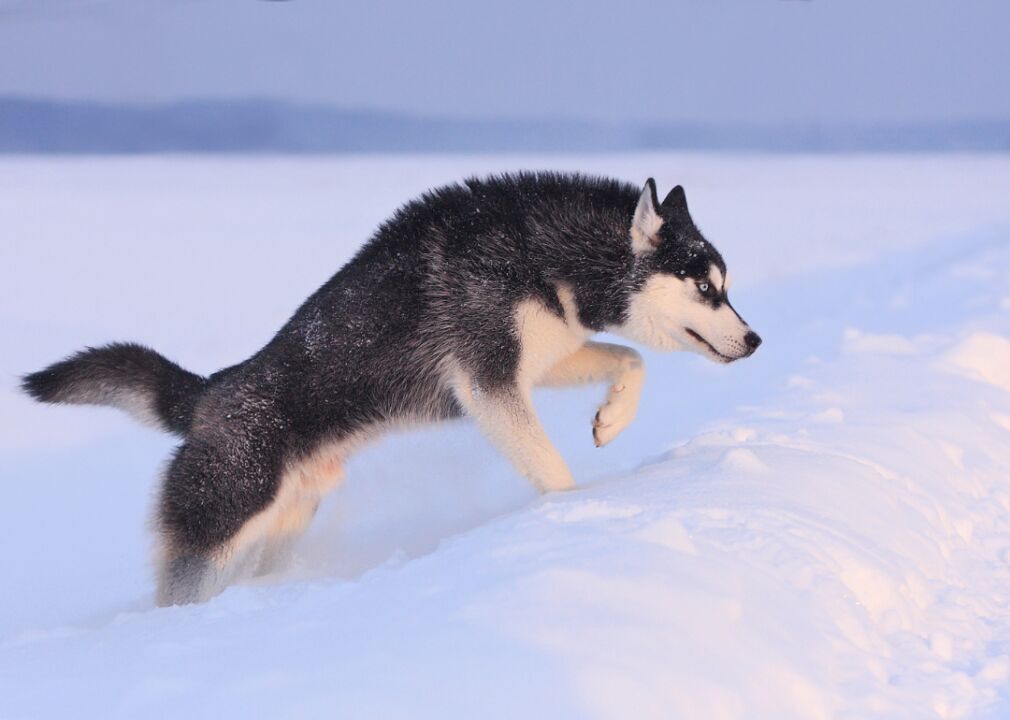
pixel 303 486
pixel 217 506
pixel 594 362
pixel 507 417
pixel 287 526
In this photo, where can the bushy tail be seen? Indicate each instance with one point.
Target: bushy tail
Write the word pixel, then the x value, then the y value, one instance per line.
pixel 128 376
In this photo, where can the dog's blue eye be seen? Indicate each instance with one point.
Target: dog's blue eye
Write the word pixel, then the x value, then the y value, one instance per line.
pixel 703 287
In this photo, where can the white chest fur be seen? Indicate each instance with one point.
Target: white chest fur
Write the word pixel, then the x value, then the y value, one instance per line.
pixel 545 338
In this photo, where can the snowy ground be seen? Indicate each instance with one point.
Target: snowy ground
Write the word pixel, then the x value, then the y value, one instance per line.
pixel 821 531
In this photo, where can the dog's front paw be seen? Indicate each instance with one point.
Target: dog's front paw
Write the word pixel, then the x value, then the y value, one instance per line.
pixel 616 413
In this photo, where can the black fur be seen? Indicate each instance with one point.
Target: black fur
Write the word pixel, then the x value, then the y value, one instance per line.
pixel 441 279
pixel 683 251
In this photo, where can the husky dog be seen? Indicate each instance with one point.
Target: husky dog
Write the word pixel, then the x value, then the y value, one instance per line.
pixel 461 304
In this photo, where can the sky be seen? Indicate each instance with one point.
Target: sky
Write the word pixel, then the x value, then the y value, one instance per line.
pixel 710 61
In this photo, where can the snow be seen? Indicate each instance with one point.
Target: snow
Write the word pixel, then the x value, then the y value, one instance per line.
pixel 820 531
pixel 984 356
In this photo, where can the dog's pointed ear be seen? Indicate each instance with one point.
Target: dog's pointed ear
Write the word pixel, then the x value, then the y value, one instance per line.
pixel 647 221
pixel 676 202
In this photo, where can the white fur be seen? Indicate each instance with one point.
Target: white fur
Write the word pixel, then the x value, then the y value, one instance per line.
pixel 544 338
pixel 661 313
pixel 510 422
pixel 715 277
pixel 646 223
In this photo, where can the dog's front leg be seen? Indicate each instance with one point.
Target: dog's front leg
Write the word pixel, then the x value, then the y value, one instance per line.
pixel 621 366
pixel 509 420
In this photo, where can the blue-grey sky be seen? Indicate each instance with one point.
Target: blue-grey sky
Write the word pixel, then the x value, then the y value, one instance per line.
pixel 732 61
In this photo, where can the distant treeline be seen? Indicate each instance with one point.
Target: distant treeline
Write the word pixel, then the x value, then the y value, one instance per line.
pixel 252 126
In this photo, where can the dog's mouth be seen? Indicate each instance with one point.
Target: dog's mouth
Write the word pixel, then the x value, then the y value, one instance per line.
pixel 719 356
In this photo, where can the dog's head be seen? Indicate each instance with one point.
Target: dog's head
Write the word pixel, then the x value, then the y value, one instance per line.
pixel 680 302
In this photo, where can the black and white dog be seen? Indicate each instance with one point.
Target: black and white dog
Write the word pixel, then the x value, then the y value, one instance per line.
pixel 460 304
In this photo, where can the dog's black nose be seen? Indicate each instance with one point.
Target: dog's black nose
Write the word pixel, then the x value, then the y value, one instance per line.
pixel 752 339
